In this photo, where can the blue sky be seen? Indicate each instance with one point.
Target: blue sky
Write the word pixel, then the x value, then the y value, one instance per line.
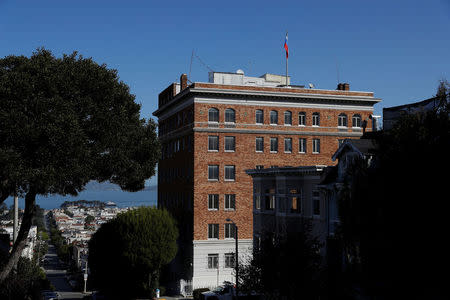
pixel 397 49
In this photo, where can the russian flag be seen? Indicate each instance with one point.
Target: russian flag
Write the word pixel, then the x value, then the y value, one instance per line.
pixel 286 46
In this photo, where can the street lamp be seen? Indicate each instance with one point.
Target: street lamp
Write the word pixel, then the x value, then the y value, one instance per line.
pixel 236 260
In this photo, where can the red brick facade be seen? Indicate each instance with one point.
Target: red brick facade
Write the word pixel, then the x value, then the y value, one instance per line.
pixel 183 183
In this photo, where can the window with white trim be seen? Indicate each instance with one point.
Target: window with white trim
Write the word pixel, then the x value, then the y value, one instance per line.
pixel 302 145
pixel 301 118
pixel 213 261
pixel 259 144
pixel 213 115
pixel 213 231
pixel 273 117
pixel 230 173
pixel 288 145
pixel 230 201
pixel 259 116
pixel 213 172
pixel 213 201
pixel 230 143
pixel 273 145
pixel 287 118
pixel 229 260
pixel 316 145
pixel 356 121
pixel 230 231
pixel 213 143
pixel 342 120
pixel 316 119
pixel 230 115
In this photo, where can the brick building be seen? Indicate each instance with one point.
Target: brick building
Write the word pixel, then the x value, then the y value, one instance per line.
pixel 212 132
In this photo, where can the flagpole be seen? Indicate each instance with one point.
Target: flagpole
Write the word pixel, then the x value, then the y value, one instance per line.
pixel 287 58
pixel 286 71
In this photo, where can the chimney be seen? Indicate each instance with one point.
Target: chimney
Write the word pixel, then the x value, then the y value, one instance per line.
pixel 183 81
pixel 343 87
pixel 346 87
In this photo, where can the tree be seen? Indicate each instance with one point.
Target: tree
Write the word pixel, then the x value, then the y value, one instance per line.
pixel 63 122
pixel 126 253
pixel 285 267
pixel 26 283
pixel 89 219
pixel 394 215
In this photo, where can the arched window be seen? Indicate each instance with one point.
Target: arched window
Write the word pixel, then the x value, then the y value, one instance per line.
pixel 259 116
pixel 230 115
pixel 356 121
pixel 301 118
pixel 213 115
pixel 342 120
pixel 273 117
pixel 287 118
pixel 316 119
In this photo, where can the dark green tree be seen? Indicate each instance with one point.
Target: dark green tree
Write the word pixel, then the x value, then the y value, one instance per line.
pixel 126 254
pixel 393 214
pixel 89 219
pixel 285 267
pixel 63 122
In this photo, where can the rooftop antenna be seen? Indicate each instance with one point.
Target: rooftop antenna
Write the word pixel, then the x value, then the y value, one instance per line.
pixel 190 67
pixel 337 69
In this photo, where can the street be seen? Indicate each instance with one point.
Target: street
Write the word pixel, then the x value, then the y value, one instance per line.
pixel 56 273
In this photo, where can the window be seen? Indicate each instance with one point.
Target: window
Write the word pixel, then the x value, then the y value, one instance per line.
pixel 301 118
pixel 213 143
pixel 213 115
pixel 316 145
pixel 302 145
pixel 213 172
pixel 213 261
pixel 259 141
pixel 213 231
pixel 342 120
pixel 288 145
pixel 287 118
pixel 230 201
pixel 273 117
pixel 230 115
pixel 230 231
pixel 229 260
pixel 316 203
pixel 273 145
pixel 259 116
pixel 257 201
pixel 356 121
pixel 213 201
pixel 229 173
pixel 230 143
pixel 270 202
pixel 295 201
pixel 316 119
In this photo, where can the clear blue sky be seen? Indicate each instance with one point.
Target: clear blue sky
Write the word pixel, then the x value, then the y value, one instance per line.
pixel 397 49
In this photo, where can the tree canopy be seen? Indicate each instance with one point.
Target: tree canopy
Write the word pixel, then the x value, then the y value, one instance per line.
pixel 66 121
pixel 127 253
pixel 394 213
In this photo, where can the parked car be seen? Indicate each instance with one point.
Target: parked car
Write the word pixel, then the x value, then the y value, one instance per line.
pixel 227 291
pixel 49 295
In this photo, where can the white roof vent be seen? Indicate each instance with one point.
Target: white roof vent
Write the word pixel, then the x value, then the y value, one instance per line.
pixel 239 71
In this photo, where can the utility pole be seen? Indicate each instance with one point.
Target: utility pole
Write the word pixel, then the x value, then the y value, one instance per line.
pixel 85 277
pixel 16 217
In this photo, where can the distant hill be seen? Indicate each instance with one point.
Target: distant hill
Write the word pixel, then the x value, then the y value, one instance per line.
pixel 108 186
